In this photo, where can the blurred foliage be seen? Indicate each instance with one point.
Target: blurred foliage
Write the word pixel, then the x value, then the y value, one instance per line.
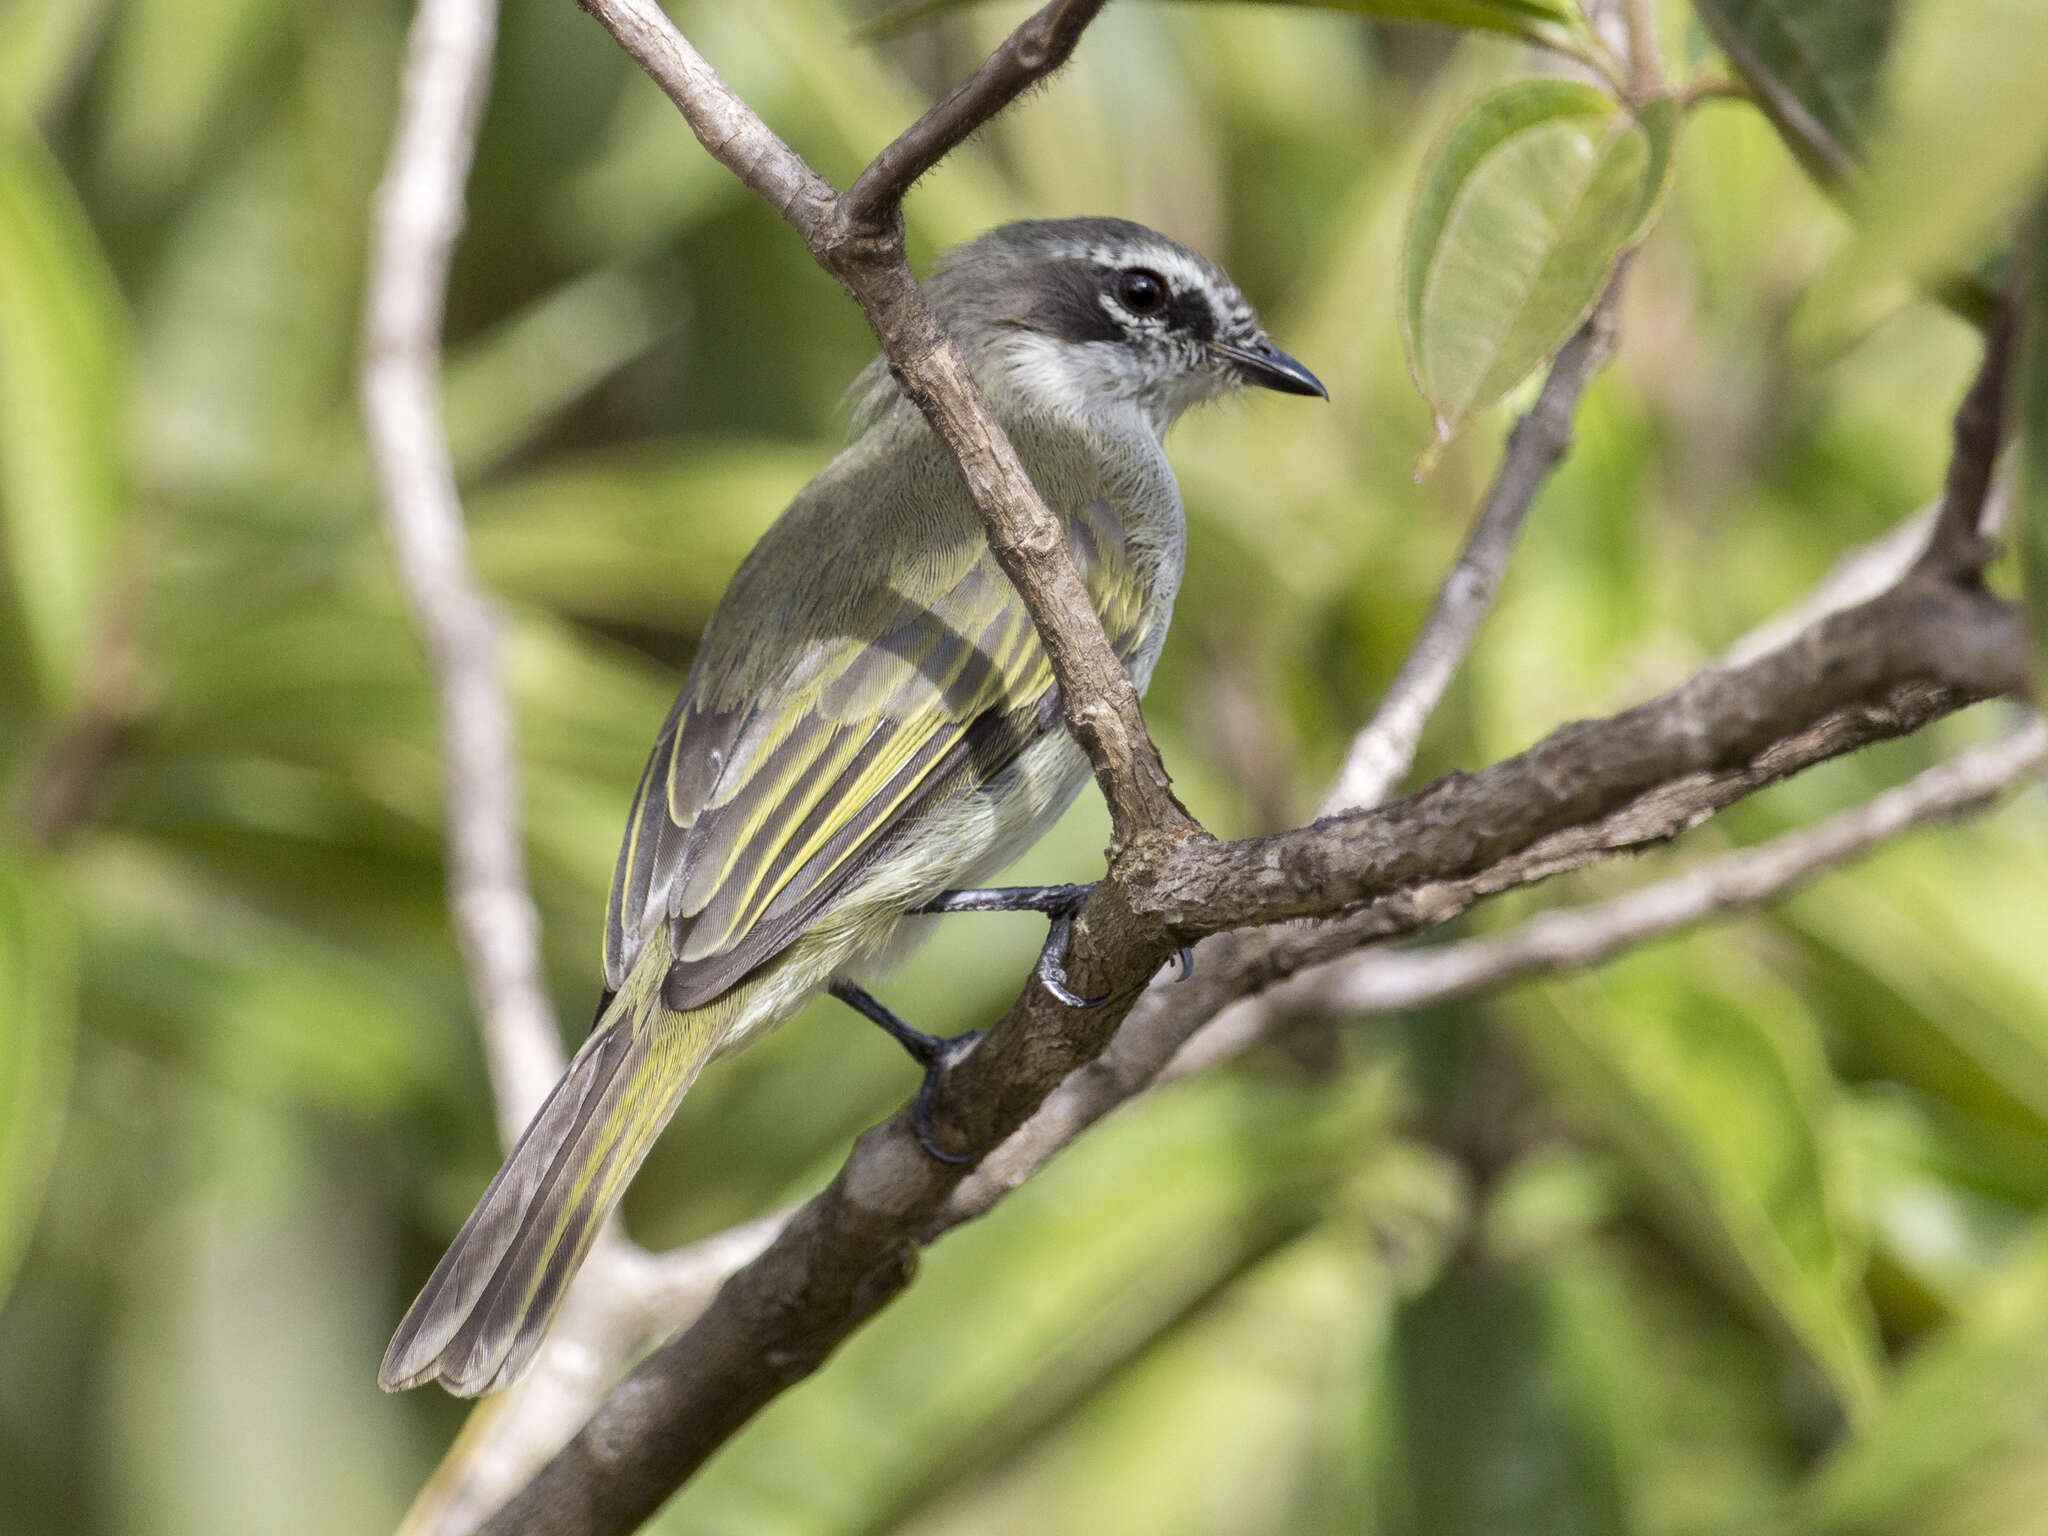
pixel 1743 1233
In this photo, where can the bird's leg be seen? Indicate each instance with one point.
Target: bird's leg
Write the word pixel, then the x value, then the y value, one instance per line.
pixel 934 1053
pixel 1060 903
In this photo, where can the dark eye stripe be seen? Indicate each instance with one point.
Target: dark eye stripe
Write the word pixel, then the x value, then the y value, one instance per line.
pixel 1188 313
pixel 1070 305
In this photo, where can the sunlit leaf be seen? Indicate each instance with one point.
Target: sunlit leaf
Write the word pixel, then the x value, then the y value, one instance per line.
pixel 1961 1445
pixel 61 384
pixel 1538 190
pixel 37 982
pixel 1536 19
pixel 1718 1097
pixel 1814 67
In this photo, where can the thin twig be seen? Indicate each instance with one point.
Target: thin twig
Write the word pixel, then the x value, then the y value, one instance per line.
pixel 1957 549
pixel 1382 753
pixel 417 216
pixel 1645 67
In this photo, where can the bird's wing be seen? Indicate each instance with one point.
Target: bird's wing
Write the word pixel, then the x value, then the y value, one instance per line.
pixel 763 801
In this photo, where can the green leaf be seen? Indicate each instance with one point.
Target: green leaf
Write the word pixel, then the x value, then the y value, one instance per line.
pixel 61 377
pixel 1962 1442
pixel 38 978
pixel 1537 20
pixel 1536 193
pixel 1708 1078
pixel 1814 67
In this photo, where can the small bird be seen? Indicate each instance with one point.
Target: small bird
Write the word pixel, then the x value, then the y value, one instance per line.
pixel 870 724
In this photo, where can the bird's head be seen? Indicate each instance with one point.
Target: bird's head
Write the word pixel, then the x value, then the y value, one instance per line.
pixel 1094 315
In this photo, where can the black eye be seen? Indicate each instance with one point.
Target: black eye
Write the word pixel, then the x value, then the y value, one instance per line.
pixel 1141 291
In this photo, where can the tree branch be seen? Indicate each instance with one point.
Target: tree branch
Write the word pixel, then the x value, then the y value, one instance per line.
pixel 416 219
pixel 1635 777
pixel 858 238
pixel 1383 752
pixel 1388 981
pixel 1928 646
pixel 1957 549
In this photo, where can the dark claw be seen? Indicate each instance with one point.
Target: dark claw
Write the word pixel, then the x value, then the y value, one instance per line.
pixel 949 1051
pixel 1052 973
pixel 934 1053
pixel 1186 961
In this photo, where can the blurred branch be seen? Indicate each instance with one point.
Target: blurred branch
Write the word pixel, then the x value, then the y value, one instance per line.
pixel 1957 548
pixel 624 1299
pixel 1384 750
pixel 857 236
pixel 417 217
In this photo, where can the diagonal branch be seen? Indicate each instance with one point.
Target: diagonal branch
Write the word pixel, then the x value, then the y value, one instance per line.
pixel 858 237
pixel 1636 776
pixel 1924 648
pixel 417 217
pixel 1388 981
pixel 1384 750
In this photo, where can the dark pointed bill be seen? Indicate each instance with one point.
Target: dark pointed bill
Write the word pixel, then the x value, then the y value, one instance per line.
pixel 1268 367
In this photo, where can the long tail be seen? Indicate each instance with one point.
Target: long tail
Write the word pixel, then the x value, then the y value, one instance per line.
pixel 487 1306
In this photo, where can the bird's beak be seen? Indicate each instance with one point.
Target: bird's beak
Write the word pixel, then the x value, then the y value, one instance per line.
pixel 1268 367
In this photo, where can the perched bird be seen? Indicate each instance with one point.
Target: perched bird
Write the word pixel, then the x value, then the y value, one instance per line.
pixel 870 723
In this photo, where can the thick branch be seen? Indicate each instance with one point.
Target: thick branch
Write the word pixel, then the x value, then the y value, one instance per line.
pixel 417 217
pixel 1643 774
pixel 1925 648
pixel 1924 631
pixel 1385 981
pixel 858 238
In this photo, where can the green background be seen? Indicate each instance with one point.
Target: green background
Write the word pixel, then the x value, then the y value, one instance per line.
pixel 1742 1233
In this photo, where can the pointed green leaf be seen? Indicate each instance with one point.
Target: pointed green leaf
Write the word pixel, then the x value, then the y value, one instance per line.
pixel 1814 66
pixel 1536 193
pixel 38 974
pixel 60 409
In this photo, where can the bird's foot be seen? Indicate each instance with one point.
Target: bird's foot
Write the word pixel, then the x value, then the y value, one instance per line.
pixel 1060 903
pixel 937 1054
